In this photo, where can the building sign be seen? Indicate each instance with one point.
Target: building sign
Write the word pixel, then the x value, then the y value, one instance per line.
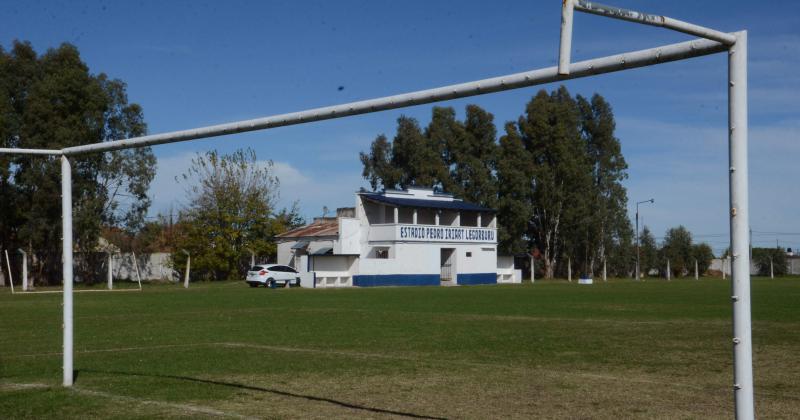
pixel 445 234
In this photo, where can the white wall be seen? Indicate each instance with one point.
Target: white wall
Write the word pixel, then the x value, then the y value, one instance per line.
pixel 483 259
pixel 285 252
pixel 349 237
pixel 407 259
pixel 332 263
pixel 506 272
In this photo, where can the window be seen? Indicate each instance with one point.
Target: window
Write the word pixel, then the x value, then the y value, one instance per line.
pixel 469 254
pixel 381 252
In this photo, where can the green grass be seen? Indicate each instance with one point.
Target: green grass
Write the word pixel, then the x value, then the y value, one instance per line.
pixel 617 349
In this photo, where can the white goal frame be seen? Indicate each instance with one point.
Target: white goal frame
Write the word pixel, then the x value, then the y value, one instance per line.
pixel 710 42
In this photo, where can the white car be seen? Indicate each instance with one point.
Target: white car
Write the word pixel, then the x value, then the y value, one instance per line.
pixel 272 275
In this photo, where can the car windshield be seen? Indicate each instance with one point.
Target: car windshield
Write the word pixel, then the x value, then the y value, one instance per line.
pixel 257 268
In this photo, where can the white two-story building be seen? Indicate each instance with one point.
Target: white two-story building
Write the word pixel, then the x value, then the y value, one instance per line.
pixel 397 238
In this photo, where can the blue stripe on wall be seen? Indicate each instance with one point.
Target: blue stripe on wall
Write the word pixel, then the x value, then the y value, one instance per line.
pixel 396 280
pixel 477 278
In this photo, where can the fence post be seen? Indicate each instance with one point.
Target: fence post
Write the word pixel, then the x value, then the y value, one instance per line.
pixel 136 266
pixel 669 272
pixel 24 269
pixel 771 271
pixel 10 278
pixel 188 267
pixel 110 272
pixel 724 262
pixel 569 269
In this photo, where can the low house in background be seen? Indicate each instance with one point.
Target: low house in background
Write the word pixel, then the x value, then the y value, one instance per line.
pixel 398 238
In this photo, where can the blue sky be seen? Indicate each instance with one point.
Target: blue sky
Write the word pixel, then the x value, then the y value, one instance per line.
pixel 198 63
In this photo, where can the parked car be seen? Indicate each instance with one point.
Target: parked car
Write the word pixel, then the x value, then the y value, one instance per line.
pixel 272 275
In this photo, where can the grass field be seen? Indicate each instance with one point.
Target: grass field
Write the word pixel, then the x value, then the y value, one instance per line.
pixel 554 350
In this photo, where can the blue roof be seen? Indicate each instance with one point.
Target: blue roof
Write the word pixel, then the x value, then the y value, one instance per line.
pixel 433 204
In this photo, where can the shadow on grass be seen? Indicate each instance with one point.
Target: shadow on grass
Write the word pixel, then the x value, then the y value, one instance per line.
pixel 269 390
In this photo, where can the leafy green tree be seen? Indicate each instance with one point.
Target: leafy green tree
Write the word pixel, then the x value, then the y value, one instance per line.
pixel 703 253
pixel 50 102
pixel 379 169
pixel 555 176
pixel 610 231
pixel 515 193
pixel 561 177
pixel 446 133
pixel 418 157
pixel 451 155
pixel 232 208
pixel 763 256
pixel 648 251
pixel 474 158
pixel 677 248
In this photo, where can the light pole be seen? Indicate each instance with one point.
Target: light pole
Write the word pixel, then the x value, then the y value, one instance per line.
pixel 651 201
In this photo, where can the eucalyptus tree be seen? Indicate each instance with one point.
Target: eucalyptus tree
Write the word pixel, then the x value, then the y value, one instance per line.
pixel 51 101
pixel 610 229
pixel 561 170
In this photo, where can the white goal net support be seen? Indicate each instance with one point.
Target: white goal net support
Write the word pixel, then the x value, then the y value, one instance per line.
pixel 115 266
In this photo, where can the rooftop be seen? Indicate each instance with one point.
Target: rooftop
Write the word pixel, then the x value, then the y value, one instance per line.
pixel 322 226
pixel 423 197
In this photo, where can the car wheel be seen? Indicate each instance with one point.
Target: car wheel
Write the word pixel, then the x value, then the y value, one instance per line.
pixel 297 282
pixel 253 284
pixel 271 283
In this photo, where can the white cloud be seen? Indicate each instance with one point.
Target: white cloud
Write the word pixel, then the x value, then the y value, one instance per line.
pixel 310 188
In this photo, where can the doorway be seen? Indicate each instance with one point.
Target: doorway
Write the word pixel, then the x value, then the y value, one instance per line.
pixel 448 265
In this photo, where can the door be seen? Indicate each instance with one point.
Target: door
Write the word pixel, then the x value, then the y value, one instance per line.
pixel 447 265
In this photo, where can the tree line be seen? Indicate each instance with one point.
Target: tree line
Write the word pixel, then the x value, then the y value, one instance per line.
pixel 677 248
pixel 554 175
pixel 52 101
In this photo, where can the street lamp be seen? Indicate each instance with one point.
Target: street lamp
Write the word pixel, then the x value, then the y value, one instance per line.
pixel 651 201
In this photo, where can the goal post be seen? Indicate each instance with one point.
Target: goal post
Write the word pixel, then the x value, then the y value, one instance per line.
pixel 711 42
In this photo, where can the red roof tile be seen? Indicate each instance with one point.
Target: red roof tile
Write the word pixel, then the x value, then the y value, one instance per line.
pixel 323 227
